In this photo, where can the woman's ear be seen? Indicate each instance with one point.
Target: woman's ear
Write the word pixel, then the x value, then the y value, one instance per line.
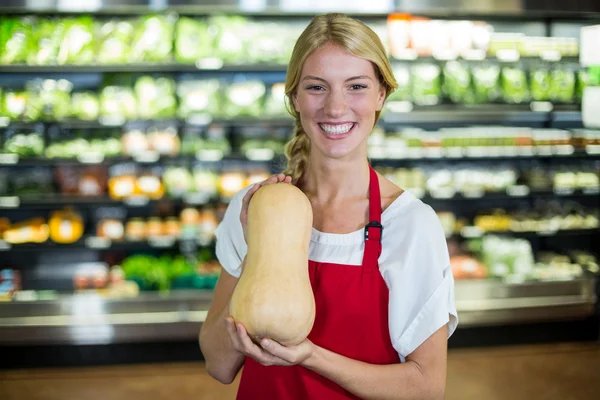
pixel 381 96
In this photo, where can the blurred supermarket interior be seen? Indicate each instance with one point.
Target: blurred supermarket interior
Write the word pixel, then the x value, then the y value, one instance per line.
pixel 126 127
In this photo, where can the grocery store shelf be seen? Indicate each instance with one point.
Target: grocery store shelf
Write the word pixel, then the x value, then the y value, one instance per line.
pixel 488 302
pixel 475 232
pixel 178 315
pixel 97 244
pixel 209 66
pixel 477 194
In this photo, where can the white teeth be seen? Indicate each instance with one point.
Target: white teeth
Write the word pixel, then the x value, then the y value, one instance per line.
pixel 336 129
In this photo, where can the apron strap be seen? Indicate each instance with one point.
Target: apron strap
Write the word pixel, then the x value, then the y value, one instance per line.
pixel 374 229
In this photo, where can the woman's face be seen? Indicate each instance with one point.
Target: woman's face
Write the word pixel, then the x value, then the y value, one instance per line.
pixel 337 97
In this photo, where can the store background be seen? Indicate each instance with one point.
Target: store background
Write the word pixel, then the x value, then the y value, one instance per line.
pixel 125 126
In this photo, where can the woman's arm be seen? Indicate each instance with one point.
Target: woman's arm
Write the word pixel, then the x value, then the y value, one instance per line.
pixel 422 376
pixel 223 362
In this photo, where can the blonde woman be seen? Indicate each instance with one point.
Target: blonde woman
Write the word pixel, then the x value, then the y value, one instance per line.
pixel 378 260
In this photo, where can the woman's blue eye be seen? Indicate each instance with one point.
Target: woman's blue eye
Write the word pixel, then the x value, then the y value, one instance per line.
pixel 358 87
pixel 315 87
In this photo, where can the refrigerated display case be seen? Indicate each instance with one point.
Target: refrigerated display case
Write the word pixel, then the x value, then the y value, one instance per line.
pixel 125 132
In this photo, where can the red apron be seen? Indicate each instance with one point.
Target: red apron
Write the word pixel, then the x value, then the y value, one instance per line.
pixel 351 319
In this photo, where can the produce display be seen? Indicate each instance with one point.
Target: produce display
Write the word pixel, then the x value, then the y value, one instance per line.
pixel 478 179
pixel 279 227
pixel 479 142
pixel 153 38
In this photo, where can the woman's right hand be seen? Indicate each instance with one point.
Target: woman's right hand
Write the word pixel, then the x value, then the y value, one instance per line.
pixel 246 200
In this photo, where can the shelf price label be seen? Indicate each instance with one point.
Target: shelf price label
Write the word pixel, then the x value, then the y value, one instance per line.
pixel 112 120
pixel 508 55
pixel 9 159
pixel 4 122
pixel 197 198
pixel 473 193
pixel 564 191
pixel 162 241
pixel 591 190
pixel 10 202
pixel 443 193
pixel 97 242
pixel 150 156
pixel 137 201
pixel 4 245
pixel 260 154
pixel 209 63
pixel 541 106
pixel 550 55
pixel 90 158
pixel 471 232
pixel 518 191
pixel 199 119
pixel 209 155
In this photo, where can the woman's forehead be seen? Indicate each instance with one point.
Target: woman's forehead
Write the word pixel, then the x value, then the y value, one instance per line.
pixel 334 60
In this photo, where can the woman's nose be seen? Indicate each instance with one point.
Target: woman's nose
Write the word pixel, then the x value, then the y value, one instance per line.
pixel 336 104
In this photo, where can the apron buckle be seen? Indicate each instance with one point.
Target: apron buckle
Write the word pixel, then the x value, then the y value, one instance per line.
pixel 373 224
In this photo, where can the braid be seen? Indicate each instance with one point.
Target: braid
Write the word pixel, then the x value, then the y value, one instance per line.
pixel 297 151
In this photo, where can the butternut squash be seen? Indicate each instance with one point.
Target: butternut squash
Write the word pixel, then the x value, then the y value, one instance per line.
pixel 273 297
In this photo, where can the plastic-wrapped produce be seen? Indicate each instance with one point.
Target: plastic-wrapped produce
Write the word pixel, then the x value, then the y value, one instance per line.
pixel 155 97
pixel 275 102
pixel 540 84
pixel 514 85
pixel 266 44
pixel 192 40
pixel 78 44
pixel 457 83
pixel 199 97
pixel 115 38
pixel 231 33
pixel 47 37
pixel 403 91
pixel 244 98
pixel 426 84
pixel 85 106
pixel 15 40
pixel 117 99
pixel 153 39
pixel 14 104
pixel 49 99
pixel 562 86
pixel 486 83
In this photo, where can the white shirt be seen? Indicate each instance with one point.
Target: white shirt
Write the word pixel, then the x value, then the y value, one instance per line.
pixel 414 263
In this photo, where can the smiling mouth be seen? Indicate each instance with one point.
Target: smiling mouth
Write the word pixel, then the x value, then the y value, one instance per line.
pixel 337 129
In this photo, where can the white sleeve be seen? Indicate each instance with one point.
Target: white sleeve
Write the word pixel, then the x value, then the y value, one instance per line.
pixel 231 247
pixel 422 288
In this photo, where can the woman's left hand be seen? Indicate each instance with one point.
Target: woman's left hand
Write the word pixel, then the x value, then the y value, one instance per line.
pixel 269 352
pixel 292 355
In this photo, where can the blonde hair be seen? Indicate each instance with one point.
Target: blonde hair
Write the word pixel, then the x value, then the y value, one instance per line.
pixel 356 38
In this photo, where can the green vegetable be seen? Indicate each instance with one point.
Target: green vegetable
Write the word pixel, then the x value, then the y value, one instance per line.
pixel 514 85
pixel 231 34
pixel 49 99
pixel 14 104
pixel 15 40
pixel 85 106
pixel 457 82
pixel 192 40
pixel 275 102
pixel 47 38
pixel 583 80
pixel 426 86
pixel 244 98
pixel 115 38
pixel 78 45
pixel 562 86
pixel 199 97
pixel 540 84
pixel 403 92
pixel 25 145
pixel 153 39
pixel 486 82
pixel 155 97
pixel 178 181
pixel 117 98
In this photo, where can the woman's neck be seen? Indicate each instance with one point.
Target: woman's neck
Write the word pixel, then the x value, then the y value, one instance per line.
pixel 328 180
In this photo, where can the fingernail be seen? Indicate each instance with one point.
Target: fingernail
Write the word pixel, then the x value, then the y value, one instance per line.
pixel 266 343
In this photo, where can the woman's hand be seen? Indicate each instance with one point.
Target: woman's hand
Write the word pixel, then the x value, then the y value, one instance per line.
pixel 246 200
pixel 269 352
